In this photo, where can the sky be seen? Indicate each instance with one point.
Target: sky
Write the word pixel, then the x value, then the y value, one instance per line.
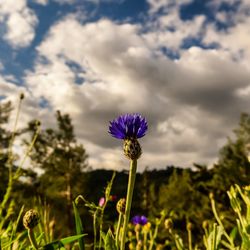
pixel 182 64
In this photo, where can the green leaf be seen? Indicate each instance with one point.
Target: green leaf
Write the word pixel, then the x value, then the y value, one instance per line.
pixel 233 233
pixel 79 227
pixel 109 242
pixel 59 244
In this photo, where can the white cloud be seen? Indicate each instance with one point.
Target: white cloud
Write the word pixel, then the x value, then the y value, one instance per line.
pixel 189 102
pixel 20 22
pixel 156 5
pixel 42 2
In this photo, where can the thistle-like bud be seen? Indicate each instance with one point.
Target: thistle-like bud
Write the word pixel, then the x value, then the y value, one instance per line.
pixel 189 226
pixel 121 205
pixel 132 148
pixel 205 224
pixel 137 228
pixel 131 246
pixel 31 219
pixel 211 196
pixel 147 227
pixel 21 96
pixel 168 224
pixel 38 123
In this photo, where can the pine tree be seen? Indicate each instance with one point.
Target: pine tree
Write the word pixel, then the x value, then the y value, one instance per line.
pixel 63 162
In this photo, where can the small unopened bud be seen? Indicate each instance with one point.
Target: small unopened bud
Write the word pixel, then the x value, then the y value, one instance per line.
pixel 205 224
pixel 211 196
pixel 121 205
pixel 137 228
pixel 139 245
pixel 38 123
pixel 168 224
pixel 31 219
pixel 147 227
pixel 52 224
pixel 131 246
pixel 132 149
pixel 189 226
pixel 21 96
pixel 130 234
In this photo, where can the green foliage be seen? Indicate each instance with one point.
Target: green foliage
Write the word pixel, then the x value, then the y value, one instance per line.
pixel 60 244
pixel 79 226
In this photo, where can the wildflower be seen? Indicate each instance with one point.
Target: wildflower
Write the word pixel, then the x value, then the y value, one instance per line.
pixel 101 202
pixel 129 127
pixel 139 219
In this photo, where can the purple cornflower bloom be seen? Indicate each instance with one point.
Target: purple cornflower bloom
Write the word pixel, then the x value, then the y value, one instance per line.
pixel 101 202
pixel 139 219
pixel 128 126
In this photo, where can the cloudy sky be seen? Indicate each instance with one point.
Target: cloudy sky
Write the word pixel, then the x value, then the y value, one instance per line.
pixel 183 64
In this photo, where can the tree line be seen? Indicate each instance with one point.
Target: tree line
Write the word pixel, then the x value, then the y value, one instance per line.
pixel 64 174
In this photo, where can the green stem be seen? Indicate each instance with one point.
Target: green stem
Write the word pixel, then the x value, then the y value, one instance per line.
pixel 100 227
pixel 94 228
pixel 145 237
pixel 220 223
pixel 117 234
pixel 32 238
pixel 152 240
pixel 131 183
pixel 190 239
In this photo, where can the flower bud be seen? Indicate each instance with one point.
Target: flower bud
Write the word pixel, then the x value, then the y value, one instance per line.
pixel 137 228
pixel 205 224
pixel 189 226
pixel 168 224
pixel 132 148
pixel 31 219
pixel 147 227
pixel 211 196
pixel 121 205
pixel 21 96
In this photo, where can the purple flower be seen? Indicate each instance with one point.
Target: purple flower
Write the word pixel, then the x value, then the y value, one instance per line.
pixel 128 126
pixel 139 219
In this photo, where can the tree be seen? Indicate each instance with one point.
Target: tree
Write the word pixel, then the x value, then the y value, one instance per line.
pixel 233 166
pixel 5 135
pixel 63 161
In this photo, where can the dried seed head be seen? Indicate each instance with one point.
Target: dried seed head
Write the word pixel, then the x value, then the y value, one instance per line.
pixel 31 219
pixel 132 149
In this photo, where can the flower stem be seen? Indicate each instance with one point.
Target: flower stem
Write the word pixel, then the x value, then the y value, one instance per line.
pixel 131 183
pixel 32 238
pixel 94 228
pixel 190 239
pixel 117 235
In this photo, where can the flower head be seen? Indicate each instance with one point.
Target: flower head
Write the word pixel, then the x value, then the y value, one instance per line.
pixel 128 126
pixel 139 219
